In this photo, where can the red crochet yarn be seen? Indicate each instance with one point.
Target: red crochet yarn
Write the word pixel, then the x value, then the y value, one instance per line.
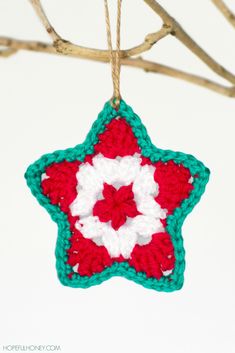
pixel 174 186
pixel 90 257
pixel 61 189
pixel 60 183
pixel 155 257
pixel 116 206
pixel 117 140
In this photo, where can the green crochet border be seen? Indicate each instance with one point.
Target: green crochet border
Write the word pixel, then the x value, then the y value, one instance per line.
pixel 174 221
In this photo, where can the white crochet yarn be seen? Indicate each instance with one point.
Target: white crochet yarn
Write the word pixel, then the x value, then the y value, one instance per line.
pixel 118 172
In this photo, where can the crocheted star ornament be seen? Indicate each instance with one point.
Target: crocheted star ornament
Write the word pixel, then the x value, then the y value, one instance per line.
pixel 119 203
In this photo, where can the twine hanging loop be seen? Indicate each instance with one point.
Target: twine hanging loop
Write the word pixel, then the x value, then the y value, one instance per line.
pixel 114 54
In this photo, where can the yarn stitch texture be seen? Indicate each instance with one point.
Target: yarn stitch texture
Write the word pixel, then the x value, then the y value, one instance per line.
pixel 119 203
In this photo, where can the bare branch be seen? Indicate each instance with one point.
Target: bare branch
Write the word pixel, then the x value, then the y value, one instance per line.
pixel 183 37
pixel 223 8
pixel 5 53
pixel 14 45
pixel 42 16
pixel 170 26
pixel 150 66
pixel 68 48
pixel 64 47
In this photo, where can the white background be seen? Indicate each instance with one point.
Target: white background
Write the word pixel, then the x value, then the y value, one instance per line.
pixel 49 102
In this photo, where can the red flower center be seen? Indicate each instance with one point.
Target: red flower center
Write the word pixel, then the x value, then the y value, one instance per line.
pixel 116 206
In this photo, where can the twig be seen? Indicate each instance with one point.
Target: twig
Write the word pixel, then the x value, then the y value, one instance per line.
pixel 64 47
pixel 68 48
pixel 17 44
pixel 148 66
pixel 225 11
pixel 5 53
pixel 182 36
pixel 170 26
pixel 42 16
